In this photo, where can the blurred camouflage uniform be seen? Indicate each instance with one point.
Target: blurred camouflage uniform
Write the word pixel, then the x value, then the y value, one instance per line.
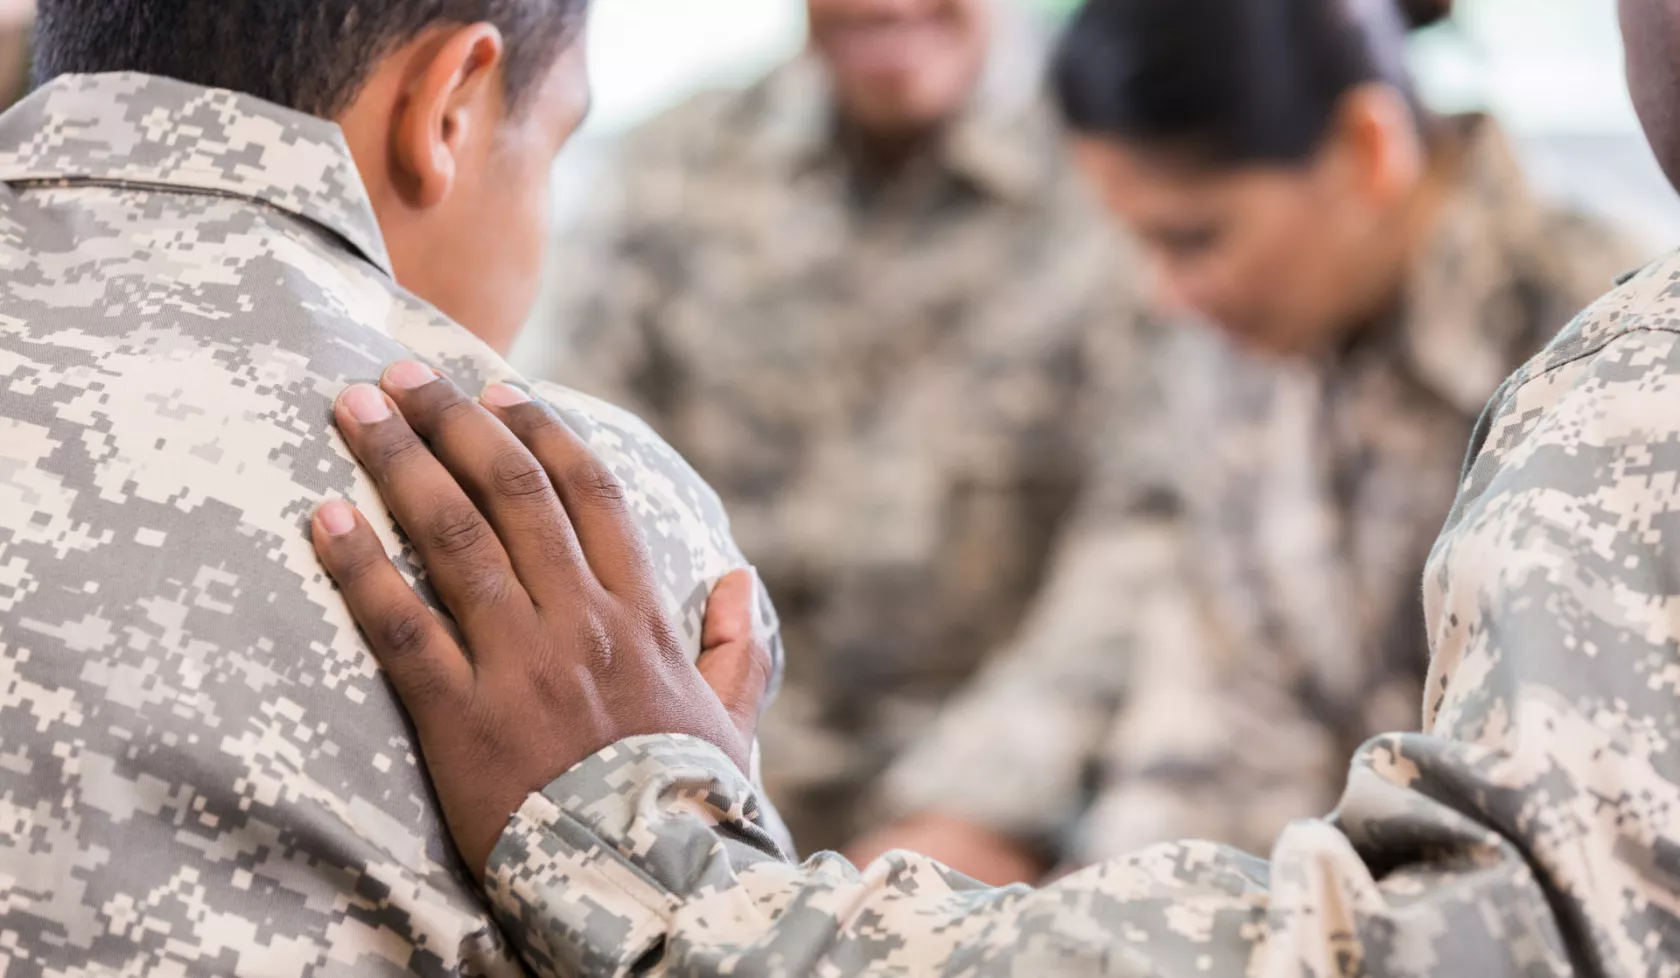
pixel 1532 829
pixel 888 381
pixel 202 772
pixel 1237 608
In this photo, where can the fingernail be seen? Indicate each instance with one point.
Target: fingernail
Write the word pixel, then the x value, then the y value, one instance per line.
pixel 407 375
pixel 366 404
pixel 503 396
pixel 337 518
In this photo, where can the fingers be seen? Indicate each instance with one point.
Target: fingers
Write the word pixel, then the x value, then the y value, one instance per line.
pixel 429 671
pixel 734 661
pixel 465 560
pixel 729 610
pixel 593 498
pixel 502 477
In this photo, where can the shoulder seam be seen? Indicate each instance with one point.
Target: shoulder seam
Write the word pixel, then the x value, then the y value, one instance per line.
pixel 1599 347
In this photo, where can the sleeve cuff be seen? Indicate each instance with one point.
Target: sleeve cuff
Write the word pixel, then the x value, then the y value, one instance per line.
pixel 589 872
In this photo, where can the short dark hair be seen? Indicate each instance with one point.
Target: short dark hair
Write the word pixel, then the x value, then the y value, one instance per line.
pixel 309 55
pixel 1230 82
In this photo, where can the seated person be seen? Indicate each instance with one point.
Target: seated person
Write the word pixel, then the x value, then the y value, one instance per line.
pixel 869 299
pixel 1236 610
pixel 216 214
pixel 1528 829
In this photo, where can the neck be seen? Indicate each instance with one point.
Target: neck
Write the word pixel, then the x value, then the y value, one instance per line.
pixel 885 153
pixel 1421 213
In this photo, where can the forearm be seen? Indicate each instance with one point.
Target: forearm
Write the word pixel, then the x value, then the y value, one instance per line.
pixel 652 863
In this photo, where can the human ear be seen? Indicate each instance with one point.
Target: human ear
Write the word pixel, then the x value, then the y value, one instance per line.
pixel 451 105
pixel 1377 139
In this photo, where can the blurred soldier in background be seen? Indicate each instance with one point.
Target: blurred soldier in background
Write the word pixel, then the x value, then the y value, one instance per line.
pixel 866 298
pixel 1529 828
pixel 1237 609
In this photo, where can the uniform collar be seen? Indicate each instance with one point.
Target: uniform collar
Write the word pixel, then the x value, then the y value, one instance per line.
pixel 1462 321
pixel 993 144
pixel 129 129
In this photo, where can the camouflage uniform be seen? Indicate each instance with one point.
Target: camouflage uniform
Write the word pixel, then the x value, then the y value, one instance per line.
pixel 885 380
pixel 202 772
pixel 1228 622
pixel 1532 828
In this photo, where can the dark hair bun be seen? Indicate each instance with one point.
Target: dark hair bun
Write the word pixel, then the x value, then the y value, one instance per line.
pixel 1423 13
pixel 1229 82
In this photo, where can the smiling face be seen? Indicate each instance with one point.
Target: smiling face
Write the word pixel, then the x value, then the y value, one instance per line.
pixel 901 66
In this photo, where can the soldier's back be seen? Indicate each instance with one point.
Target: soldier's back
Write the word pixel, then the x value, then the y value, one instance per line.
pixel 202 772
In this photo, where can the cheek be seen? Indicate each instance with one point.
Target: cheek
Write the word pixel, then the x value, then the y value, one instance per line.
pixel 1283 261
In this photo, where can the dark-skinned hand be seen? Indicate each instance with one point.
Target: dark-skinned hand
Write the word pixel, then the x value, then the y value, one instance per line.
pixel 566 646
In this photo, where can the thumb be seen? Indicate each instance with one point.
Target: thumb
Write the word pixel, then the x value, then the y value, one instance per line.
pixel 734 660
pixel 729 612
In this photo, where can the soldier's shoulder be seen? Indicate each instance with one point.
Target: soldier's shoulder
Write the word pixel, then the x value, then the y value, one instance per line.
pixel 1603 380
pixel 593 414
pixel 655 476
pixel 1628 339
pixel 1647 300
pixel 686 525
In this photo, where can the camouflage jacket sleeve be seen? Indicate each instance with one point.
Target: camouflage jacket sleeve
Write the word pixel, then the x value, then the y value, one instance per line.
pixel 1530 829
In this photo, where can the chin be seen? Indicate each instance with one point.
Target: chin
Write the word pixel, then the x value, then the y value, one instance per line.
pixel 1256 339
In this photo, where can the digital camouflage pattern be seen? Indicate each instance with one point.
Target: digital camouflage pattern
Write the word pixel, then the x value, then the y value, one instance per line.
pixel 202 772
pixel 890 381
pixel 1237 609
pixel 1532 828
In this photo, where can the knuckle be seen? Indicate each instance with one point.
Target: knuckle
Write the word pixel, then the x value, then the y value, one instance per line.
pixel 517 475
pixel 395 451
pixel 451 407
pixel 403 635
pixel 663 638
pixel 532 419
pixel 358 561
pixel 486 588
pixel 593 644
pixel 592 480
pixel 458 531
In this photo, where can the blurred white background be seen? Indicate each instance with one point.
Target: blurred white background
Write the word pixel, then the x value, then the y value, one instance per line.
pixel 1551 69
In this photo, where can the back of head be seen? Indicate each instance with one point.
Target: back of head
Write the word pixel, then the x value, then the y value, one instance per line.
pixel 1230 81
pixel 309 55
